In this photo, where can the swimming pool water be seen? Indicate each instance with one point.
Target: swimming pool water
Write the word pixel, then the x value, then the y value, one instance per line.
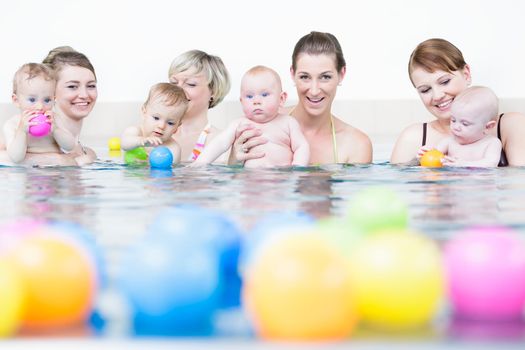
pixel 117 202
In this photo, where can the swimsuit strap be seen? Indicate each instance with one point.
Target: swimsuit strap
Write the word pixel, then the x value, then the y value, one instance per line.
pixel 424 141
pixel 201 141
pixel 499 123
pixel 334 139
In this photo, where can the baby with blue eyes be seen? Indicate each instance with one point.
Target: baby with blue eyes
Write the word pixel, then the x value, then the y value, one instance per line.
pixel 34 129
pixel 261 99
pixel 161 116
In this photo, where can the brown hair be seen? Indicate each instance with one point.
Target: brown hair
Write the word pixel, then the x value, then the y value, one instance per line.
pixel 317 43
pixel 62 56
pixel 171 94
pixel 436 54
pixel 32 70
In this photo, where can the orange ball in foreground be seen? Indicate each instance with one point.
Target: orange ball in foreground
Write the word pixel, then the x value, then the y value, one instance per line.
pixel 298 288
pixel 60 282
pixel 432 159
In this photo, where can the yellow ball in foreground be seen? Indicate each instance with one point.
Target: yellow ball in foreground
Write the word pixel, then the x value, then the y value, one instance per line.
pixel 398 280
pixel 114 144
pixel 298 288
pixel 432 159
pixel 12 299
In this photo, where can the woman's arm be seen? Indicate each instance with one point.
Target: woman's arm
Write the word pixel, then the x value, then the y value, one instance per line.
pixel 407 145
pixel 512 127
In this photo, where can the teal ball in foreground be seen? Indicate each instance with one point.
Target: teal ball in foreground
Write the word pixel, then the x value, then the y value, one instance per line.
pixel 377 208
pixel 136 156
pixel 161 158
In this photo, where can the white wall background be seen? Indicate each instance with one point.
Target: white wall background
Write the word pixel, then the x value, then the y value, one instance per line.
pixel 131 43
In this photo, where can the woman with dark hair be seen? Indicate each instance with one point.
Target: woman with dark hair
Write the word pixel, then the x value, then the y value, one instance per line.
pixel 318 67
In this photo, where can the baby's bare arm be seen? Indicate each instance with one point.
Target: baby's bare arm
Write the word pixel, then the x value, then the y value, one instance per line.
pixel 299 144
pixel 220 144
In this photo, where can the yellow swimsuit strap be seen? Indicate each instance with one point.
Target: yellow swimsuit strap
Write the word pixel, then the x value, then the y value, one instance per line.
pixel 334 139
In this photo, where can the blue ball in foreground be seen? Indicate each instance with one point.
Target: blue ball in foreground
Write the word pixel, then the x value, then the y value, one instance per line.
pixel 206 227
pixel 161 158
pixel 172 285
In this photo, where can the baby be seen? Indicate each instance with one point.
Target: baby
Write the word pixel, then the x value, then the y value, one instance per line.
pixel 161 116
pixel 261 98
pixel 473 113
pixel 34 129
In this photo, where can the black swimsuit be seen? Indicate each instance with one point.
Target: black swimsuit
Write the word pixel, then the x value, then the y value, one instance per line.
pixel 503 158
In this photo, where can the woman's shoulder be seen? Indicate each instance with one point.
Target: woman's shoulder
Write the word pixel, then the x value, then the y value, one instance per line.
pixel 345 129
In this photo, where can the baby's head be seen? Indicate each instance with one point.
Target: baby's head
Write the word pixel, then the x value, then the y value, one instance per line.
pixel 34 87
pixel 261 94
pixel 473 113
pixel 163 110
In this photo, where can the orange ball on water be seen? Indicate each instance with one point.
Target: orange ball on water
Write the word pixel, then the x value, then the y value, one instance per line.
pixel 432 159
pixel 60 282
pixel 298 287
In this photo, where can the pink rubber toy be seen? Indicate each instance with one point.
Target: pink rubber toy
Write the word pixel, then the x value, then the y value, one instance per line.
pixel 41 129
pixel 486 274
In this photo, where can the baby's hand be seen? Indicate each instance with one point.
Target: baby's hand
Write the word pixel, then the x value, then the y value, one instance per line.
pixel 422 150
pixel 151 141
pixel 450 161
pixel 25 120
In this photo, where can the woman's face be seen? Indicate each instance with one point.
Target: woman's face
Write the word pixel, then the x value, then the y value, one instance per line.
pixel 438 89
pixel 316 78
pixel 76 91
pixel 197 90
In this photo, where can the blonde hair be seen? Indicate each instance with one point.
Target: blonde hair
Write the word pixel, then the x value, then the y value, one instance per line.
pixel 62 56
pixel 318 43
pixel 256 70
pixel 170 94
pixel 478 100
pixel 30 71
pixel 436 54
pixel 215 71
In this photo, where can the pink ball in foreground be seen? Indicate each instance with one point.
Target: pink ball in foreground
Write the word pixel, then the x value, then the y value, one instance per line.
pixel 486 273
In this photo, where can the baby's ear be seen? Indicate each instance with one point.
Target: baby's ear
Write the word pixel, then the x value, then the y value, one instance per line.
pixel 14 98
pixel 490 124
pixel 282 99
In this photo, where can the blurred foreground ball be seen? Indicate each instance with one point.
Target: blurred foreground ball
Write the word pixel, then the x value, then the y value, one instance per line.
pixel 60 281
pixel 376 208
pixel 173 286
pixel 486 274
pixel 398 280
pixel 298 287
pixel 12 299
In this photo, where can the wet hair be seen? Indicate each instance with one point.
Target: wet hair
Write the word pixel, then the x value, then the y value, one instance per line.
pixel 62 56
pixel 214 70
pixel 169 93
pixel 478 100
pixel 256 70
pixel 32 70
pixel 436 54
pixel 317 43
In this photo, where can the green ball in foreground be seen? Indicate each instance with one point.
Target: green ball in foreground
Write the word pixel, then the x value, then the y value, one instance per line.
pixel 136 156
pixel 377 208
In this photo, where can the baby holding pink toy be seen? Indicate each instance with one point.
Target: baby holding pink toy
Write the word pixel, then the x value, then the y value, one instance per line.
pixel 34 129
